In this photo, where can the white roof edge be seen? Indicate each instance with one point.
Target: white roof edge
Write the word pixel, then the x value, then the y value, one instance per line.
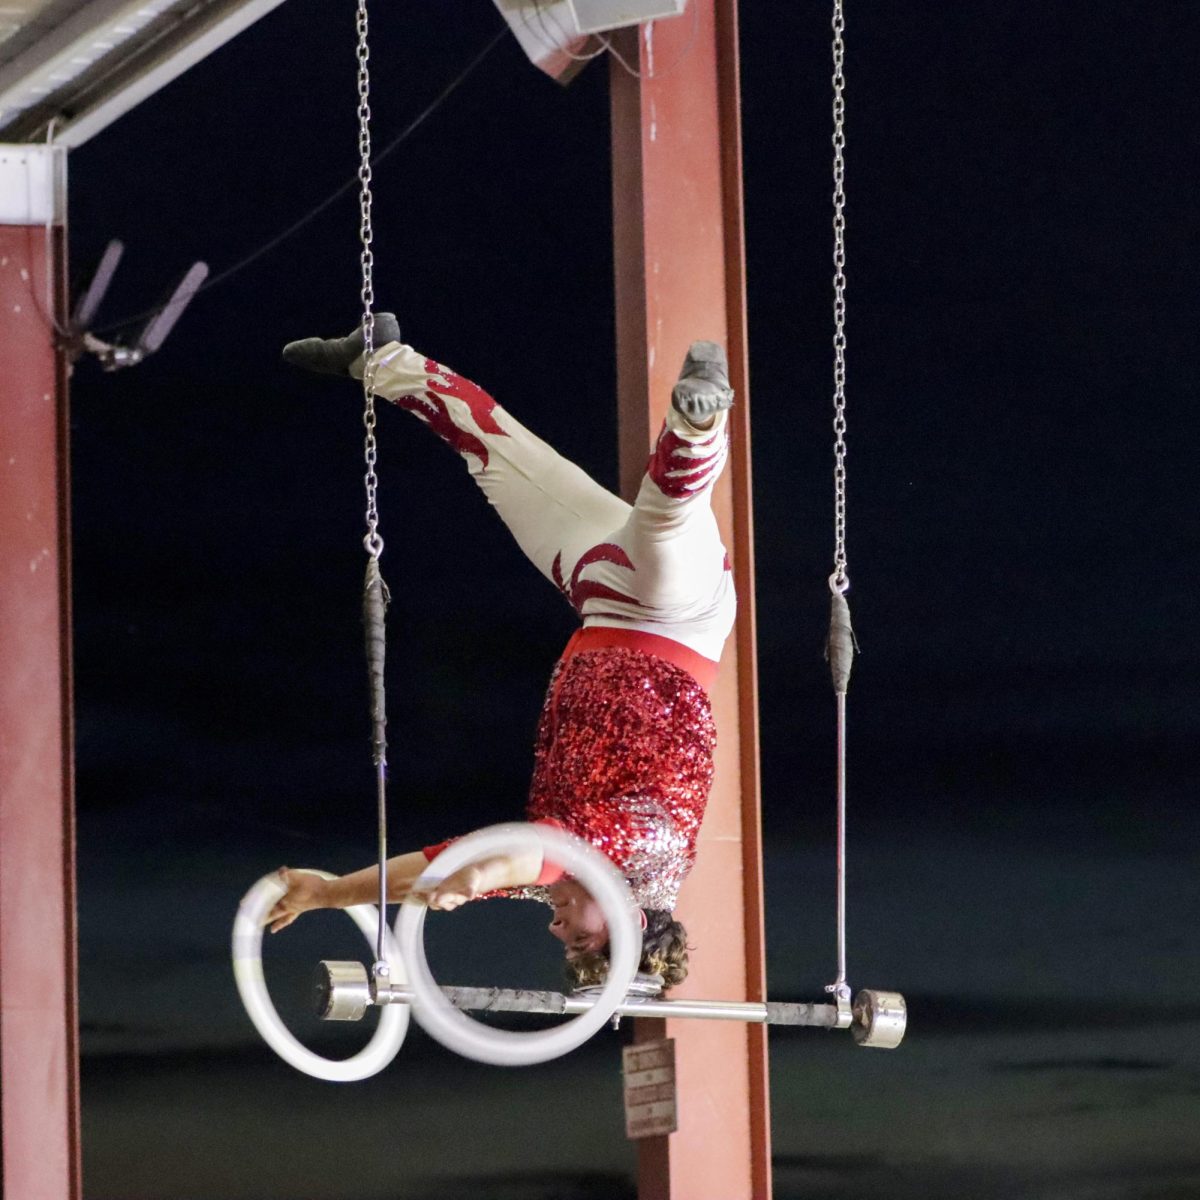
pixel 91 121
pixel 188 45
pixel 78 25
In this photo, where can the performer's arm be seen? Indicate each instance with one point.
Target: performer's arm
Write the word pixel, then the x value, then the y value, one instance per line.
pixel 488 875
pixel 499 873
pixel 306 892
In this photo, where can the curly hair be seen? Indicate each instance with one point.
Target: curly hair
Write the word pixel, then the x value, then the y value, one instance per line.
pixel 664 952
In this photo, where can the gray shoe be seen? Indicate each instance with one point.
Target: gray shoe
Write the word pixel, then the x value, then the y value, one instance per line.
pixel 703 388
pixel 340 356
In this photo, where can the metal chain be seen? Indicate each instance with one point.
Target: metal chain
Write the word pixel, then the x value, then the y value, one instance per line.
pixel 839 580
pixel 372 541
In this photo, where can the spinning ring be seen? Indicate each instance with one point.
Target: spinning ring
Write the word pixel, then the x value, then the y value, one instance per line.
pixel 248 973
pixel 505 1047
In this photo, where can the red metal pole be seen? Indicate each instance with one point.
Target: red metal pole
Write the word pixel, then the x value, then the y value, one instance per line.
pixel 680 275
pixel 39 1074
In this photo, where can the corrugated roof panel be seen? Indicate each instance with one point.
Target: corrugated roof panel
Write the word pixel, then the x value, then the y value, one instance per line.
pixel 75 67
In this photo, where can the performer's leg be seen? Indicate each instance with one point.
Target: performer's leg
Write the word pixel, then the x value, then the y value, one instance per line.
pixel 555 511
pixel 665 570
pixel 682 581
pixel 659 566
pixel 672 527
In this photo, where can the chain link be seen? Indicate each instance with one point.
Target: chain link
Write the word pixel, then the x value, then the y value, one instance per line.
pixel 839 581
pixel 372 541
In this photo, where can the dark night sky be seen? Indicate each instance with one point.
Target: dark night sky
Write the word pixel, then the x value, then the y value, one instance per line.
pixel 1023 542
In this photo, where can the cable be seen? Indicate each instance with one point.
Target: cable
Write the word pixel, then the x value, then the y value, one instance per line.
pixel 682 57
pixel 334 196
pixel 606 45
pixel 553 43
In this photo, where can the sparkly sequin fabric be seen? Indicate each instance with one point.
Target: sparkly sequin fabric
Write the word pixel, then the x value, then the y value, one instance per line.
pixel 624 759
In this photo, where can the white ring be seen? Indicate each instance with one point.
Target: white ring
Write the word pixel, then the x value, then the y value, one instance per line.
pixel 505 1047
pixel 248 973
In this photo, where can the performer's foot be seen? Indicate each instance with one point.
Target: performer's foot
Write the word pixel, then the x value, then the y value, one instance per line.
pixel 342 356
pixel 703 388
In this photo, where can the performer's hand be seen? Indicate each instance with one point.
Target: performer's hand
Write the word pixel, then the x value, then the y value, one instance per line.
pixel 304 892
pixel 455 890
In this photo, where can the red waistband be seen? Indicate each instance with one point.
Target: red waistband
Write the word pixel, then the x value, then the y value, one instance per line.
pixel 598 637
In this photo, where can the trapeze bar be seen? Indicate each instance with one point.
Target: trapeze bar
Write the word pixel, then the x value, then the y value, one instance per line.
pixel 519 1000
pixel 344 992
pixel 505 1000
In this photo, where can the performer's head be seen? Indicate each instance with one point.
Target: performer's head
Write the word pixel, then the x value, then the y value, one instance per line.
pixel 578 920
pixel 578 923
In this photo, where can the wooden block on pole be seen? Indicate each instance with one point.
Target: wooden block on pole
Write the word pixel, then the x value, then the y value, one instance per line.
pixel 680 276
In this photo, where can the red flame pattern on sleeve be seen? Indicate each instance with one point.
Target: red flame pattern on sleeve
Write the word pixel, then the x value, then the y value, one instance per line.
pixel 579 591
pixel 680 468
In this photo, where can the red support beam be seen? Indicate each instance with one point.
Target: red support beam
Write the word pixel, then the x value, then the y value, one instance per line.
pixel 39 1073
pixel 680 275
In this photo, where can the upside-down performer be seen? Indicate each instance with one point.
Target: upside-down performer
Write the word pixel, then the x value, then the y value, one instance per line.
pixel 624 750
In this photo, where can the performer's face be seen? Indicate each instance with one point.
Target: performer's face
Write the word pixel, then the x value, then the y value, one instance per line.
pixel 578 920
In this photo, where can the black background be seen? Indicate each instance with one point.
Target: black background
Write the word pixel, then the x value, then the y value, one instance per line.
pixel 1022 538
